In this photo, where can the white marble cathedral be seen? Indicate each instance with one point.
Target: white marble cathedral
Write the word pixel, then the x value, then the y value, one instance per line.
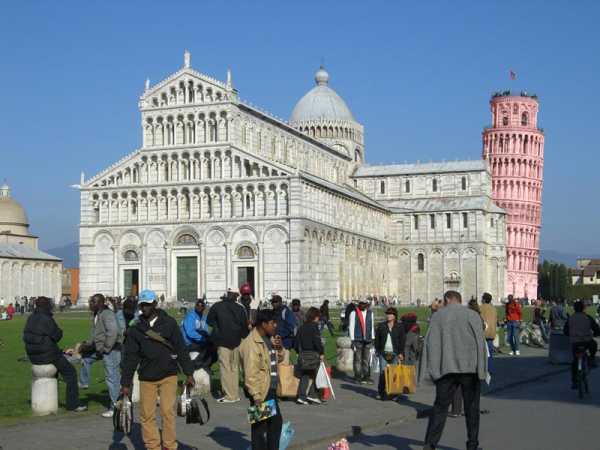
pixel 221 193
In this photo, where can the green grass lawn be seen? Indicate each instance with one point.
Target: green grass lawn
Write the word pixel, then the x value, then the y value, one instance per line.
pixel 15 369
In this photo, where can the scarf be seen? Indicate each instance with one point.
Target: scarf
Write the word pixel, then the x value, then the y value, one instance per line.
pixel 361 320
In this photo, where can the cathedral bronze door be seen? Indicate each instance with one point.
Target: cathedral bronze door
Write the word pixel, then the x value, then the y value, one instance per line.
pixel 131 282
pixel 246 275
pixel 187 278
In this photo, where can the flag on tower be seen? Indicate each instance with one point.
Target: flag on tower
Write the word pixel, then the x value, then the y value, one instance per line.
pixel 513 75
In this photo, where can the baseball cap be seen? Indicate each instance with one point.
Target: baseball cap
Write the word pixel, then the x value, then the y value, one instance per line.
pixel 147 296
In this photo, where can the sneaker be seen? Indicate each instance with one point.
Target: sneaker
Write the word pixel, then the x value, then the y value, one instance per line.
pixel 83 386
pixel 80 408
pixel 517 353
pixel 228 400
pixel 364 382
pixel 316 401
pixel 301 402
pixel 108 413
pixel 369 381
pixel 511 353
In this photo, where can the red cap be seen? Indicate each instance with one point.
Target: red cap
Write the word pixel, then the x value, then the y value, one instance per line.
pixel 245 289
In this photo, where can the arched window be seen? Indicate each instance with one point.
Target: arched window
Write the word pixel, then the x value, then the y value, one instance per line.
pixel 130 255
pixel 434 185
pixel 186 239
pixel 463 183
pixel 420 262
pixel 382 187
pixel 407 186
pixel 505 121
pixel 524 119
pixel 245 252
pixel 357 156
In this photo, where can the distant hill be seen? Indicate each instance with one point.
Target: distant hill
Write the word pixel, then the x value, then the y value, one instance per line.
pixel 569 259
pixel 68 253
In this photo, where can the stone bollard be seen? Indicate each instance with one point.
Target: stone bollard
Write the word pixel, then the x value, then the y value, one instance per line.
pixel 202 386
pixel 559 350
pixel 135 390
pixel 44 390
pixel 345 355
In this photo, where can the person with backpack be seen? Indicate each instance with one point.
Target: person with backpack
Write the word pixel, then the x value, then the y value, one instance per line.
pixel 105 344
pixel 230 325
pixel 286 326
pixel 155 348
pixel 41 336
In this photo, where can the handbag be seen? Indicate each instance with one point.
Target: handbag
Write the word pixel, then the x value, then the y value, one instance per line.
pixel 309 360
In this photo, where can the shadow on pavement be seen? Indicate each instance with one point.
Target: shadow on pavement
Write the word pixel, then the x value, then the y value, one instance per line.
pixel 403 400
pixel 529 368
pixel 389 441
pixel 228 438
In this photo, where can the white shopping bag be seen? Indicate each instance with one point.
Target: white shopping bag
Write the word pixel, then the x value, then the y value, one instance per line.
pixel 323 381
pixel 375 367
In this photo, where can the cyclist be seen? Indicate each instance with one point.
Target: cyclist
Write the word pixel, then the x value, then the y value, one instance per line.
pixel 581 330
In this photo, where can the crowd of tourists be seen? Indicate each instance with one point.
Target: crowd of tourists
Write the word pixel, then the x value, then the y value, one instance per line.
pixel 137 339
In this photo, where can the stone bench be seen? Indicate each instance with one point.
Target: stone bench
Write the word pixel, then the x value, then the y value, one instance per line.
pixel 559 350
pixel 44 389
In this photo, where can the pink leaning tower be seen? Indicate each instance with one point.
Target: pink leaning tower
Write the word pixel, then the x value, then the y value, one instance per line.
pixel 514 148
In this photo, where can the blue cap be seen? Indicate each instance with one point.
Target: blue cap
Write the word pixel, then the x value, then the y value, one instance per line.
pixel 147 296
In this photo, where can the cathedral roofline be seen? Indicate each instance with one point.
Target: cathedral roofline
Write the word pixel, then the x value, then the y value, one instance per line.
pixel 291 130
pixel 344 190
pixel 475 165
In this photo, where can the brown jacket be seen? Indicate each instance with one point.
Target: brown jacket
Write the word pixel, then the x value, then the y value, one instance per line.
pixel 256 363
pixel 490 318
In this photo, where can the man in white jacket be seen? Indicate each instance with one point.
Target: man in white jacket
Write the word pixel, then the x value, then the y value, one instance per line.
pixel 361 327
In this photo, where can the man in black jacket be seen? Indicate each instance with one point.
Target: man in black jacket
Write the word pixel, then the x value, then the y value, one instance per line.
pixel 154 347
pixel 230 325
pixel 41 336
pixel 390 339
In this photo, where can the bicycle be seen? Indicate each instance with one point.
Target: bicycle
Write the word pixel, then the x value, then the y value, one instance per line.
pixel 581 379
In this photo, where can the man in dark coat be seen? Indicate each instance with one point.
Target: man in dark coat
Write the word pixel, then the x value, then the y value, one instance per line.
pixel 230 325
pixel 41 336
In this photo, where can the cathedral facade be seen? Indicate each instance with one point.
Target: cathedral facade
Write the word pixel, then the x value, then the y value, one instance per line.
pixel 221 193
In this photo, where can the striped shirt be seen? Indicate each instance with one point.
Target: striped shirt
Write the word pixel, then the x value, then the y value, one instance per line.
pixel 273 363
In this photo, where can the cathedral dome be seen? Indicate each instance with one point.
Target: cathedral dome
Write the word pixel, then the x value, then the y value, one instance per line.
pixel 321 103
pixel 11 213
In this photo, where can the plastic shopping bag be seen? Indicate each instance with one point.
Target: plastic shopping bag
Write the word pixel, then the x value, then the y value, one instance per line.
pixel 321 380
pixel 375 368
pixel 287 434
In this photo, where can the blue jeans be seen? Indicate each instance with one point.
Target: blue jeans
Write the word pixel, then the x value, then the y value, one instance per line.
pixel 490 346
pixel 112 374
pixel 382 365
pixel 512 328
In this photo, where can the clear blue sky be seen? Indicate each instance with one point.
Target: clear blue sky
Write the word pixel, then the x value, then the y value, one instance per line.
pixel 418 77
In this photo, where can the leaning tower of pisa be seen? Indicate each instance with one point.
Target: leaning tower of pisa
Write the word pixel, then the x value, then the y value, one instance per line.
pixel 514 147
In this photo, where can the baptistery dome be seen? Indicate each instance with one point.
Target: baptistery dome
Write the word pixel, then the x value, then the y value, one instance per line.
pixel 12 215
pixel 321 103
